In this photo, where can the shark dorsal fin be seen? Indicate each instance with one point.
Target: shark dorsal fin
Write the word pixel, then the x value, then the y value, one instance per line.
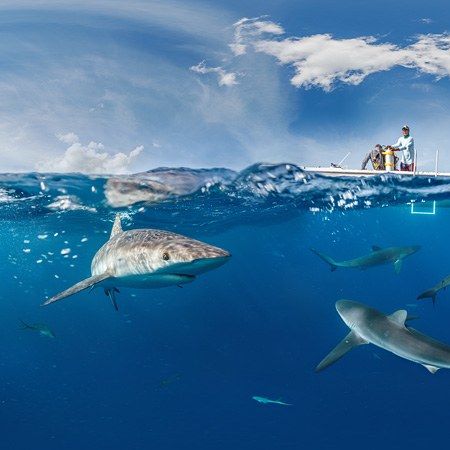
pixel 375 248
pixel 117 227
pixel 399 316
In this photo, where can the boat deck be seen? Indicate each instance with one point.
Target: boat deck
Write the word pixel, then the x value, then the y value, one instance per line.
pixel 341 172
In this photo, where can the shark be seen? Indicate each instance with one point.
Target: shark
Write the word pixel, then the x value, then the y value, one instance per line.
pixel 43 329
pixel 389 332
pixel 146 258
pixel 376 257
pixel 435 289
pixel 266 400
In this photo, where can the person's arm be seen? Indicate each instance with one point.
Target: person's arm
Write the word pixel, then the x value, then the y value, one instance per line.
pixel 398 144
pixel 365 161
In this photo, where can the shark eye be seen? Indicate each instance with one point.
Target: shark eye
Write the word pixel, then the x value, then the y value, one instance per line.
pixel 166 256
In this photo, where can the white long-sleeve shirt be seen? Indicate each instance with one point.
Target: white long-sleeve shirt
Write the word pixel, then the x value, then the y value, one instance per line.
pixel 406 145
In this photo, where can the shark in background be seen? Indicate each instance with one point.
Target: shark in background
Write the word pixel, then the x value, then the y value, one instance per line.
pixel 389 332
pixel 146 258
pixel 377 257
pixel 431 293
pixel 42 328
pixel 267 400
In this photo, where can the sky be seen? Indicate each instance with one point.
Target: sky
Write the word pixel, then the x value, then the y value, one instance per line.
pixel 107 86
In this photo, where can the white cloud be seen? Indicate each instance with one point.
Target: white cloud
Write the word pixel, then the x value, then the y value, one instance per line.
pixel 251 27
pixel 323 61
pixel 89 158
pixel 224 78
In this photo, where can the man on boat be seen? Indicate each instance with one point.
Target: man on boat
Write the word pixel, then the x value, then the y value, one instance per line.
pixel 405 145
pixel 376 157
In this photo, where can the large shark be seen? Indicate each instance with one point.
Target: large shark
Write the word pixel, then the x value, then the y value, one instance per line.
pixel 370 326
pixel 435 289
pixel 377 257
pixel 146 258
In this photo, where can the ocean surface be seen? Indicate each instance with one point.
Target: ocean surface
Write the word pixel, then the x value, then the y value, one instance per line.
pixel 177 368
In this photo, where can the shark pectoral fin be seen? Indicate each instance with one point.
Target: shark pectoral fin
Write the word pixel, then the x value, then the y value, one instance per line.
pixel 399 316
pixel 431 369
pixel 398 265
pixel 88 282
pixel 351 340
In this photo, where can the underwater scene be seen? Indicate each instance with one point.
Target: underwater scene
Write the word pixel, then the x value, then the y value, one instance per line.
pixel 224 354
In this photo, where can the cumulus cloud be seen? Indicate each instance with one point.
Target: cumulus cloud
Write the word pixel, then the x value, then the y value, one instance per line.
pixel 323 61
pixel 224 78
pixel 91 158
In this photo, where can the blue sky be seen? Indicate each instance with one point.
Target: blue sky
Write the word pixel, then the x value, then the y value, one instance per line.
pixel 113 86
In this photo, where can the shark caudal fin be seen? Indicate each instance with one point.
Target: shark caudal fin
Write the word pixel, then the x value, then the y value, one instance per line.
pixel 24 325
pixel 350 341
pixel 81 286
pixel 430 293
pixel 326 258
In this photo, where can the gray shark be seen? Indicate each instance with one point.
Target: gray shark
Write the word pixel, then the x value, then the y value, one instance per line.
pixel 377 257
pixel 370 326
pixel 435 289
pixel 266 400
pixel 146 258
pixel 43 329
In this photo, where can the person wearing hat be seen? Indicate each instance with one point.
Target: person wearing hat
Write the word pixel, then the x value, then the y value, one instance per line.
pixel 405 144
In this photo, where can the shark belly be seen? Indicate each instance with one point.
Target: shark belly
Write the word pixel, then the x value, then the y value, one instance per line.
pixel 409 344
pixel 147 281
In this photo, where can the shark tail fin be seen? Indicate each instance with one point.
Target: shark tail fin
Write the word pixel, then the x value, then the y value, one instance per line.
pixel 351 340
pixel 326 258
pixel 24 325
pixel 430 293
pixel 88 282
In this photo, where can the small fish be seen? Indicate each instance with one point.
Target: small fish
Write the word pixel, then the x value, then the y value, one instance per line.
pixel 43 329
pixel 164 382
pixel 266 400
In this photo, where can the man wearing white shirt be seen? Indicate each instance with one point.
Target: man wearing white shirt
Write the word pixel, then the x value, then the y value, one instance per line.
pixel 405 144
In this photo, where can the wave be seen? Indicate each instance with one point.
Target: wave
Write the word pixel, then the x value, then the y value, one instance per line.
pixel 262 191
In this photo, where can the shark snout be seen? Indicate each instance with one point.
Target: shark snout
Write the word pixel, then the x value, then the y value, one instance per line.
pixel 202 265
pixel 350 311
pixel 344 306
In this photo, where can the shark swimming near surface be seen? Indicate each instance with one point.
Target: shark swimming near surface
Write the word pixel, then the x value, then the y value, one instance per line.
pixel 377 257
pixel 42 328
pixel 266 400
pixel 389 332
pixel 431 293
pixel 146 258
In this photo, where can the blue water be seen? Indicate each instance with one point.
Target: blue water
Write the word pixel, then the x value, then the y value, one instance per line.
pixel 177 368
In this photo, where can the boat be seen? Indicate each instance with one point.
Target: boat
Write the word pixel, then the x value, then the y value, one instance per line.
pixel 336 170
